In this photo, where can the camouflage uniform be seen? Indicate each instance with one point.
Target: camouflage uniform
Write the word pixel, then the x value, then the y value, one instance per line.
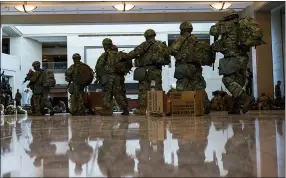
pixel 76 90
pixel 178 50
pixel 39 98
pixel 114 84
pixel 236 57
pixel 18 98
pixel 154 72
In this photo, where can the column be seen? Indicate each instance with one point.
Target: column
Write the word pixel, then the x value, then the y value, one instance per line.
pixel 1 46
pixel 263 58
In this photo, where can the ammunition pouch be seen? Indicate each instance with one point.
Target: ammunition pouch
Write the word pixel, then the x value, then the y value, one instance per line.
pixel 228 66
pixel 140 74
pixel 185 71
pixel 104 79
pixel 71 88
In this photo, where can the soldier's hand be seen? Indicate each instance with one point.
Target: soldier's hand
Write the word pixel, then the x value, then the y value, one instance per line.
pixel 96 81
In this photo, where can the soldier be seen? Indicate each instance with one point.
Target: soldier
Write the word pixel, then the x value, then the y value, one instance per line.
pixel 79 75
pixel 234 44
pixel 111 79
pixel 190 67
pixel 18 98
pixel 40 83
pixel 149 56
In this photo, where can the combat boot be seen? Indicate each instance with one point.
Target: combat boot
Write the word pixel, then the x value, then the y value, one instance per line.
pixel 234 109
pixel 140 111
pixel 52 112
pixel 125 112
pixel 207 109
pixel 245 100
pixel 105 112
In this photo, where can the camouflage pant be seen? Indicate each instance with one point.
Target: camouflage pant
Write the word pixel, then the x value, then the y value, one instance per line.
pixel 77 100
pixel 145 85
pixel 197 82
pixel 115 87
pixel 40 101
pixel 235 82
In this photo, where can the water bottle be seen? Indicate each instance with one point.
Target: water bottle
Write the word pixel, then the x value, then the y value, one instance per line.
pixel 153 84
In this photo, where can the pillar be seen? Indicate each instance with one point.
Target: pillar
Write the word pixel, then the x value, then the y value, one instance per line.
pixel 1 46
pixel 263 58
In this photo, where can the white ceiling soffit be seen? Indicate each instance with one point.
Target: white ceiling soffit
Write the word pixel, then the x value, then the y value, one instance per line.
pixel 7 8
pixel 65 30
pixel 49 39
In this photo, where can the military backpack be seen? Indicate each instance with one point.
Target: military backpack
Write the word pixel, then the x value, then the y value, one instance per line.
pixel 84 74
pixel 49 79
pixel 250 33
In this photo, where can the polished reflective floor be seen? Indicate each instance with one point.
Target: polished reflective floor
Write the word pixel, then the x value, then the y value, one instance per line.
pixel 93 146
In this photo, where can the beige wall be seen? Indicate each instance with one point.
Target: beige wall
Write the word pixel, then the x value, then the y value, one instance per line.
pixel 264 64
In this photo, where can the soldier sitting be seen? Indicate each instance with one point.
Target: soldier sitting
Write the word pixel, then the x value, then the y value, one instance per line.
pixel 264 102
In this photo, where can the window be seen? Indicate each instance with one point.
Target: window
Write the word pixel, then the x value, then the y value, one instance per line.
pixel 6 45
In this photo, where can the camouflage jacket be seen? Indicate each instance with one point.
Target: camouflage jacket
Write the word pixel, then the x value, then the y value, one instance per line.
pixel 179 49
pixel 229 42
pixel 71 74
pixel 147 51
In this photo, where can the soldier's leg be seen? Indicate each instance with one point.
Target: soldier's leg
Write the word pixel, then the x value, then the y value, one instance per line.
pixel 143 86
pixel 156 75
pixel 36 104
pixel 182 84
pixel 234 84
pixel 79 90
pixel 108 98
pixel 119 92
pixel 199 83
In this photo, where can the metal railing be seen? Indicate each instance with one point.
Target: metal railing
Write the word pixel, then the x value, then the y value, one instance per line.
pixel 54 65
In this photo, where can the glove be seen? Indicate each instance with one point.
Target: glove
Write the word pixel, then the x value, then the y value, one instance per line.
pixel 96 81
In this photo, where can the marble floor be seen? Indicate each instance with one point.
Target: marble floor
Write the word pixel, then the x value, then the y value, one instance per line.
pixel 215 145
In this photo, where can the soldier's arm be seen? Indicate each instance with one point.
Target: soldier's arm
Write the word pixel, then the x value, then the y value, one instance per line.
pixel 68 73
pixel 139 50
pixel 215 30
pixel 175 47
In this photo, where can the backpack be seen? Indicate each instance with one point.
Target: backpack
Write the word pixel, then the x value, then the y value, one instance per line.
pixel 156 54
pixel 204 53
pixel 250 33
pixel 120 66
pixel 84 74
pixel 49 79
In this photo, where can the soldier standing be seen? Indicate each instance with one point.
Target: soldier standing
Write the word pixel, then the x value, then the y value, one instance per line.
pixel 18 98
pixel 40 84
pixel 111 79
pixel 234 44
pixel 149 56
pixel 190 67
pixel 79 75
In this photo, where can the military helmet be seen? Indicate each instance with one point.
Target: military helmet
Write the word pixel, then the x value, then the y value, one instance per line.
pixel 36 63
pixel 186 25
pixel 76 56
pixel 149 32
pixel 230 12
pixel 107 41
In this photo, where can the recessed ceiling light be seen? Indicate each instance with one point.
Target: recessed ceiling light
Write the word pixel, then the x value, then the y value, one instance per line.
pixel 25 8
pixel 124 7
pixel 220 5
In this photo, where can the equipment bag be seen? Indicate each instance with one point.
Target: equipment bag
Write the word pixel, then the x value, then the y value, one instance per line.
pixel 140 74
pixel 84 74
pixel 228 66
pixel 250 33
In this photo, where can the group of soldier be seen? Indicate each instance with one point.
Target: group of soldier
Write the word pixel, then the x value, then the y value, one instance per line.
pixel 190 55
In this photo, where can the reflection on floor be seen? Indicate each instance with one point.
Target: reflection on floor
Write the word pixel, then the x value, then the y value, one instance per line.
pixel 214 145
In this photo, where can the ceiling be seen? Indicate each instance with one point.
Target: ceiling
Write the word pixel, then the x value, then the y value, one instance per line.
pixel 87 7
